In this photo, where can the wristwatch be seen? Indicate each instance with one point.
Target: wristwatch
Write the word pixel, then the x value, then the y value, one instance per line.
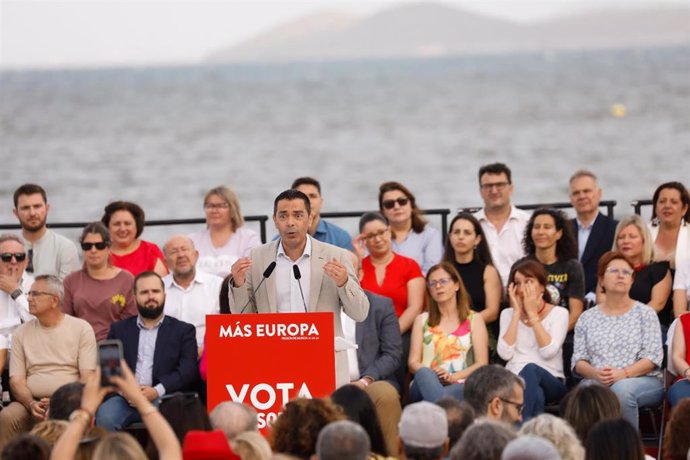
pixel 16 293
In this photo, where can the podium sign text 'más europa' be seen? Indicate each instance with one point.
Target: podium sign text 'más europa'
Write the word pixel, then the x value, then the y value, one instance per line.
pixel 267 359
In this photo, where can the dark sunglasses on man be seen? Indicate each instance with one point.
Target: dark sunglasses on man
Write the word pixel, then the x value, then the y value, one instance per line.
pixel 18 256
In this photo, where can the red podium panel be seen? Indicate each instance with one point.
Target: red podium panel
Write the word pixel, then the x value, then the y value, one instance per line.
pixel 265 360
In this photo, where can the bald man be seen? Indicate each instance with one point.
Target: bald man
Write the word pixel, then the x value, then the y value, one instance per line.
pixel 190 293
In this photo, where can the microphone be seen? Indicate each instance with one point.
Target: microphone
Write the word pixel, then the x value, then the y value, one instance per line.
pixel 266 275
pixel 298 276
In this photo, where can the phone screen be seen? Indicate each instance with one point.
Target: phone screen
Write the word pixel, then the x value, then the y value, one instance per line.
pixel 109 356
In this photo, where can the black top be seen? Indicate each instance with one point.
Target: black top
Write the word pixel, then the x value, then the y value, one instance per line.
pixel 646 277
pixel 472 275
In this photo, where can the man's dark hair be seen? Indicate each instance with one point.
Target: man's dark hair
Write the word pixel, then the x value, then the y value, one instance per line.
pixel 26 446
pixel 148 274
pixel 29 189
pixel 489 382
pixel 423 453
pixel 65 400
pixel 290 195
pixel 306 181
pixel 495 168
pixel 460 416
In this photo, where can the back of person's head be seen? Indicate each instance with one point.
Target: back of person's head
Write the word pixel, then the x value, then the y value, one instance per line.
pixel 88 443
pixel 423 431
pixel 586 405
pixel 558 432
pixel 251 445
pixel 359 408
pixel 65 400
pixel 530 448
pixel 343 440
pixel 677 435
pixel 460 415
pixel 484 440
pixel 233 418
pixel 296 429
pixel 50 430
pixel 614 439
pixel 207 445
pixel 184 412
pixel 487 383
pixel 26 446
pixel 116 446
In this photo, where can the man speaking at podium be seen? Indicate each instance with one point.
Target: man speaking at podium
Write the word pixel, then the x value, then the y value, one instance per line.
pixel 297 273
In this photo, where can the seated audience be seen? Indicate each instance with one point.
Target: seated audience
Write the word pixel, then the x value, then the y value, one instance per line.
pixel 390 275
pixel 558 432
pixel 47 352
pixel 460 416
pixel 118 445
pixel 586 405
pixel 484 440
pixel 449 342
pixel 167 364
pixel 125 221
pixel 412 236
pixel 225 238
pixel 191 294
pixel 680 356
pixel 532 335
pixel 468 250
pixel 670 227
pixel 423 432
pixel 618 342
pixel 676 439
pixel 343 440
pixel 614 439
pixel 359 408
pixel 233 418
pixel 99 293
pixel 496 393
pixel 296 429
pixel 652 281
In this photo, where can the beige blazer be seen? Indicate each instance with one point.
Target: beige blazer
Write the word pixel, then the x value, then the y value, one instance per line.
pixel 324 295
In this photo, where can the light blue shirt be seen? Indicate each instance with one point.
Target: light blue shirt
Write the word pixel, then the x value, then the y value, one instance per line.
pixel 426 247
pixel 145 352
pixel 327 232
pixel 583 235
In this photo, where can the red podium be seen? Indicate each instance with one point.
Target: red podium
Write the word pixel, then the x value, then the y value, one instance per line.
pixel 265 360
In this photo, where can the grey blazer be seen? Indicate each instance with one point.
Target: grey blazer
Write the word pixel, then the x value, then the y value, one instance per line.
pixel 324 295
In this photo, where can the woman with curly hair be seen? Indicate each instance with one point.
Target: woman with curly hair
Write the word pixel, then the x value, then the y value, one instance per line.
pixel 413 237
pixel 297 428
pixel 449 342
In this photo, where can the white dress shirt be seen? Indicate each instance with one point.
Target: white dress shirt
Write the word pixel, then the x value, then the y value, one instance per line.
pixel 289 296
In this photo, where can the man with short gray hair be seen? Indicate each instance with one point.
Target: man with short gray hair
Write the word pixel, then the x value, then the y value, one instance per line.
pixel 343 440
pixel 496 393
pixel 484 440
pixel 47 352
pixel 423 432
pixel 233 418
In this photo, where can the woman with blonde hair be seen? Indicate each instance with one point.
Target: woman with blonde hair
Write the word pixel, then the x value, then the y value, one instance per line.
pixel 225 239
pixel 250 445
pixel 449 342
pixel 652 280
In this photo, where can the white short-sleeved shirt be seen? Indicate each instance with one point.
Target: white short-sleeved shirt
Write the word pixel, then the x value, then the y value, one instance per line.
pixel 218 260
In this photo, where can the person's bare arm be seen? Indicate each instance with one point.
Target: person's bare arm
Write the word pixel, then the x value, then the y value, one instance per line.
pixel 415 303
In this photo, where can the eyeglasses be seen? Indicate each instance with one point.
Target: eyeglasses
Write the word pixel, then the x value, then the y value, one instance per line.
pixel 626 272
pixel 18 256
pixel 519 407
pixel 373 236
pixel 496 185
pixel 39 293
pixel 101 245
pixel 390 204
pixel 439 282
pixel 210 206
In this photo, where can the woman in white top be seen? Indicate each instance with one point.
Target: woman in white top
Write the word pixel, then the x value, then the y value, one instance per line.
pixel 224 240
pixel 671 224
pixel 531 337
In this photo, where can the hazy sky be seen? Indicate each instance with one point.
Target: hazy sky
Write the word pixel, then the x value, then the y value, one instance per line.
pixel 56 33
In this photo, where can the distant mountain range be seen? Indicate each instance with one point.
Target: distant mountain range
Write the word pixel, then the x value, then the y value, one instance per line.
pixel 429 30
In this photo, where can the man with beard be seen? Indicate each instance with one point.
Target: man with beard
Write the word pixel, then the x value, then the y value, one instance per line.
pixel 160 349
pixel 49 253
pixel 191 294
pixel 496 393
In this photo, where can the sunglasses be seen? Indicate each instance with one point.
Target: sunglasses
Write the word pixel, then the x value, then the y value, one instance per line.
pixel 390 204
pixel 101 245
pixel 18 256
